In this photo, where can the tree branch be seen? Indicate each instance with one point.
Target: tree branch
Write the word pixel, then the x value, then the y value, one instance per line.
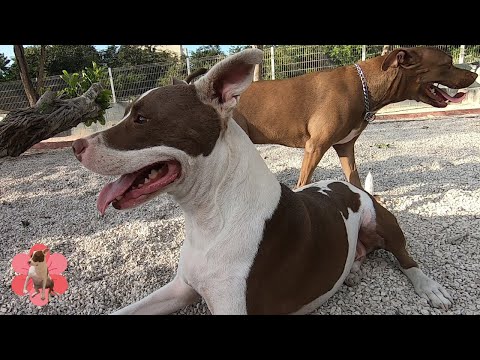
pixel 41 69
pixel 23 128
pixel 24 76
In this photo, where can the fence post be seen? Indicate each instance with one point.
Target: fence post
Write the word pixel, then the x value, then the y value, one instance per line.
pixel 272 59
pixel 364 52
pixel 188 62
pixel 461 56
pixel 111 85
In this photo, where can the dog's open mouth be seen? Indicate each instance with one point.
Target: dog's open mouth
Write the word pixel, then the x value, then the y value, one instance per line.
pixel 440 97
pixel 133 189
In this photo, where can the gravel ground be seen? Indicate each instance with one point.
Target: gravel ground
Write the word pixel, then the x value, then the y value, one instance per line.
pixel 426 171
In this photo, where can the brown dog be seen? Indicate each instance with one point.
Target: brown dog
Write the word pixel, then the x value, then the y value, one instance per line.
pixel 328 108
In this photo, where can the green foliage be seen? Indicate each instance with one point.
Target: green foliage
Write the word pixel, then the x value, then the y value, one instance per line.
pixel 129 55
pixel 295 60
pixel 205 51
pixel 32 57
pixel 126 80
pixel 77 84
pixel 342 54
pixel 177 70
pixel 71 58
pixel 472 54
pixel 205 56
pixel 109 56
pixel 4 61
pixel 237 48
pixel 73 84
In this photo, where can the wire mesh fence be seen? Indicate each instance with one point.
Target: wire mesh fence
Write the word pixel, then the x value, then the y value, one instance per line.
pixel 280 62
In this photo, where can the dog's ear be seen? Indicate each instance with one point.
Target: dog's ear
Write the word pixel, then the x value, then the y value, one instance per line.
pixel 45 251
pixel 222 85
pixel 176 81
pixel 128 108
pixel 406 58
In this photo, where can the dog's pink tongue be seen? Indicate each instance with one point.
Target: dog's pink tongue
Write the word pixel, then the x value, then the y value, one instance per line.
pixel 114 189
pixel 457 98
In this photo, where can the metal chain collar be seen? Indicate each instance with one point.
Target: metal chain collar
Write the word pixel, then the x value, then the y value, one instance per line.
pixel 369 115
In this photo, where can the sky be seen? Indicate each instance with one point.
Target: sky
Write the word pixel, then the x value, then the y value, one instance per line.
pixel 7 50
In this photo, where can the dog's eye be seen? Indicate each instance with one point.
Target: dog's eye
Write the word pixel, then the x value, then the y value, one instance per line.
pixel 141 120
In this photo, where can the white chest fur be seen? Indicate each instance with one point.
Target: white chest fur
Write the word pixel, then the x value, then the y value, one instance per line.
pixel 38 273
pixel 222 238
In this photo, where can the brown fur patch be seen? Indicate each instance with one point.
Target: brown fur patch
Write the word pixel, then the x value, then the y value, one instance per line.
pixel 39 284
pixel 303 252
pixel 176 118
pixel 38 256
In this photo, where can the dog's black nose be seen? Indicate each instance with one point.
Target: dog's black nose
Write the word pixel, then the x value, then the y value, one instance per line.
pixel 79 147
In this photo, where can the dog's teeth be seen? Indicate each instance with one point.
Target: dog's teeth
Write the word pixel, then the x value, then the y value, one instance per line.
pixel 147 180
pixel 153 174
pixel 140 185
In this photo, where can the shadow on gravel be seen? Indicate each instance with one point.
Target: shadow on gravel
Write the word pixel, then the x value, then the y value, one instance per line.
pixel 423 173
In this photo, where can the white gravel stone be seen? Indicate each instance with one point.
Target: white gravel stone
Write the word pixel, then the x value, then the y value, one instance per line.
pixel 428 177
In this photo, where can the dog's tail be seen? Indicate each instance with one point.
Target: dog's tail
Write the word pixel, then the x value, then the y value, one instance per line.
pixel 369 183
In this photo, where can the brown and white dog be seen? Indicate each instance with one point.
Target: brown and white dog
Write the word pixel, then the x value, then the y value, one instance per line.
pixel 252 245
pixel 38 272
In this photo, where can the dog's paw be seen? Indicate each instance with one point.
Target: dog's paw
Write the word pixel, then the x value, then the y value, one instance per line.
pixel 435 294
pixel 352 279
pixel 355 275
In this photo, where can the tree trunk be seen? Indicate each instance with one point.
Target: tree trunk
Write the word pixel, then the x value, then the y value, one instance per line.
pixel 23 128
pixel 27 82
pixel 386 49
pixel 41 70
pixel 257 74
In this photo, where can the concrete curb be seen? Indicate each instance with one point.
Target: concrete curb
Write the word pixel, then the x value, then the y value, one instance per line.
pixel 52 145
pixel 428 115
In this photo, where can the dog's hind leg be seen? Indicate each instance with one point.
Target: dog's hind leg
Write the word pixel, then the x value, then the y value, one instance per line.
pixel 367 242
pixel 166 300
pixel 394 241
pixel 50 286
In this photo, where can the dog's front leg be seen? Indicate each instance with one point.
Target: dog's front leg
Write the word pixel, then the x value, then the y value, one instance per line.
pixel 166 300
pixel 44 285
pixel 25 291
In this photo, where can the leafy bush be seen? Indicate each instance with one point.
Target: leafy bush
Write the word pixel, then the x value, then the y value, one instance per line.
pixel 77 84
